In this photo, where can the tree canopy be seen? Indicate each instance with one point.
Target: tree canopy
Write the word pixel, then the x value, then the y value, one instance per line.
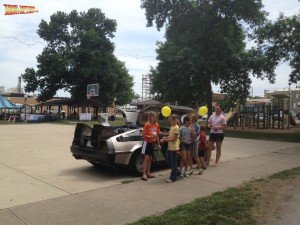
pixel 79 52
pixel 281 42
pixel 205 44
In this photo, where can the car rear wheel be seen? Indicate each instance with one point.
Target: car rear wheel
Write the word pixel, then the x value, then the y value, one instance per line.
pixel 136 163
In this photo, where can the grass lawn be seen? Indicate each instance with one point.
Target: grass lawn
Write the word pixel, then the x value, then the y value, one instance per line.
pixel 4 122
pixel 272 136
pixel 234 206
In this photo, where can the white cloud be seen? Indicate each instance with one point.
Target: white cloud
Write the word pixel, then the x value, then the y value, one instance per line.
pixel 275 7
pixel 282 78
pixel 133 39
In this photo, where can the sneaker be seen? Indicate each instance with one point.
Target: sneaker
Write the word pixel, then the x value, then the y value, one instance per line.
pixel 169 181
pixel 180 177
pixel 204 167
pixel 191 172
pixel 144 178
pixel 200 172
pixel 185 174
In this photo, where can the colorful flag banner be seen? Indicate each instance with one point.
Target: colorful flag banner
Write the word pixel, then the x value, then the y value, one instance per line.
pixel 19 9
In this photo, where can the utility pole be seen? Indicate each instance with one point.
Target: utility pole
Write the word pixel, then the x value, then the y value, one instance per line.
pixel 25 97
pixel 290 93
pixel 19 87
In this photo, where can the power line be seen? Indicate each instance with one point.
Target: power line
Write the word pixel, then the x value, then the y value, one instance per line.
pixel 22 42
pixel 39 42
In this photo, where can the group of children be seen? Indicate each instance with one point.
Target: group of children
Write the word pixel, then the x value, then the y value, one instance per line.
pixel 189 140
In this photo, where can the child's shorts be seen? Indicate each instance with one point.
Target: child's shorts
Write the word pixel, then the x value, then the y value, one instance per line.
pixel 148 148
pixel 185 147
pixel 216 137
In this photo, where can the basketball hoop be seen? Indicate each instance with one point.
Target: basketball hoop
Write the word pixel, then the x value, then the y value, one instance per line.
pixel 92 90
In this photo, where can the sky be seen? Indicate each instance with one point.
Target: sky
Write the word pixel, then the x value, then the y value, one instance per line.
pixel 135 43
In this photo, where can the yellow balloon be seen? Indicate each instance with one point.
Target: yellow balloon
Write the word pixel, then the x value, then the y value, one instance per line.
pixel 203 110
pixel 166 111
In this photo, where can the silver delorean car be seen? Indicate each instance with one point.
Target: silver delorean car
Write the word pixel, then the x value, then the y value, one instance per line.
pixel 121 145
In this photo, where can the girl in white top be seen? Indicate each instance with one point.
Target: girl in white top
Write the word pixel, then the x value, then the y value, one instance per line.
pixel 217 124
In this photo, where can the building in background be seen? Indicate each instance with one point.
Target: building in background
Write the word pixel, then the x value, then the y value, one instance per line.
pixel 19 99
pixel 2 89
pixel 219 96
pixel 16 95
pixel 293 102
pixel 146 88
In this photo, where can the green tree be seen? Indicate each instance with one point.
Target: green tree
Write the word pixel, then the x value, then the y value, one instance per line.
pixel 225 103
pixel 79 52
pixel 136 96
pixel 205 44
pixel 281 42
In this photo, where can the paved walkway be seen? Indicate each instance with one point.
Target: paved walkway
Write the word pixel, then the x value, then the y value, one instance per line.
pixel 123 203
pixel 36 163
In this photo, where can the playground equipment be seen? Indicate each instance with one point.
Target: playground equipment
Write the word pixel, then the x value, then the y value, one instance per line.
pixel 264 113
pixel 294 120
pixel 230 114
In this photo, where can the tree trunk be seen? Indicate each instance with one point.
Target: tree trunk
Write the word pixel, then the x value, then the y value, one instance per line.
pixel 104 107
pixel 209 94
pixel 96 111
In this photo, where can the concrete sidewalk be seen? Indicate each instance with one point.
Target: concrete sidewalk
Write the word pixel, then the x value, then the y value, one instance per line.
pixel 124 203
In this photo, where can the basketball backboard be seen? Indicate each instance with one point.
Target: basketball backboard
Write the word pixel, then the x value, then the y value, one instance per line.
pixel 92 90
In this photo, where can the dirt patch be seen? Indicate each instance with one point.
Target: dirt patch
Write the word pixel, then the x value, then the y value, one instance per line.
pixel 277 201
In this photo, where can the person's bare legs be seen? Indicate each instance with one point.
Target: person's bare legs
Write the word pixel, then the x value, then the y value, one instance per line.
pixel 208 152
pixel 149 175
pixel 191 163
pixel 183 160
pixel 145 166
pixel 194 156
pixel 188 158
pixel 202 162
pixel 218 153
pixel 197 161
